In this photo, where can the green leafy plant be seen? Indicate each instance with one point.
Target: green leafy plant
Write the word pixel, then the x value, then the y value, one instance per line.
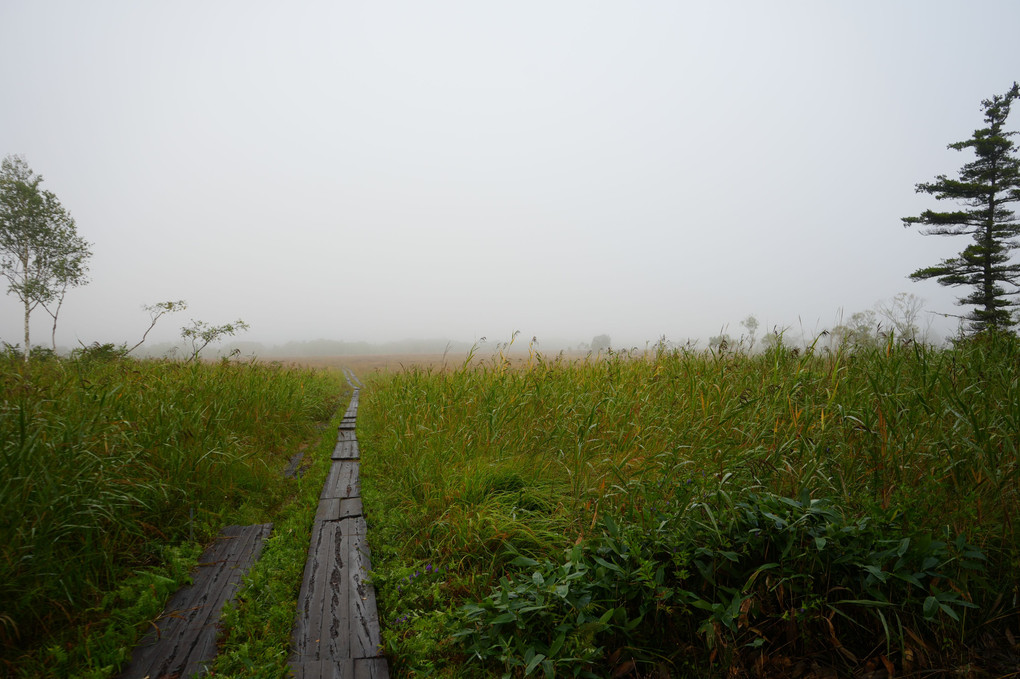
pixel 736 574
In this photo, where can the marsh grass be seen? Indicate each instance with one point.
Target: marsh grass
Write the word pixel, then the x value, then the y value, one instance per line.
pixel 474 469
pixel 105 463
pixel 256 627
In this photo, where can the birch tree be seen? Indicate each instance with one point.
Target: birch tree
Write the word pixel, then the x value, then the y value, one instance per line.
pixel 41 253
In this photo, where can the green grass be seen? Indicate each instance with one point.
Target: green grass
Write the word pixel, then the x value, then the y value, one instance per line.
pixel 696 510
pixel 257 625
pixel 111 471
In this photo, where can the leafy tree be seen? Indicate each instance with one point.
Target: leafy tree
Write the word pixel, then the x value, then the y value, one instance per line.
pixel 902 313
pixel 41 253
pixel 751 325
pixel 859 331
pixel 71 270
pixel 601 343
pixel 985 187
pixel 721 342
pixel 201 334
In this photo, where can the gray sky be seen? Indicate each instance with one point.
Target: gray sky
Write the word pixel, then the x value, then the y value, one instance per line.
pixel 382 170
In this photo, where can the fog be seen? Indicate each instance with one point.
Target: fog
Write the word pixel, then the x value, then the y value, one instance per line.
pixel 374 171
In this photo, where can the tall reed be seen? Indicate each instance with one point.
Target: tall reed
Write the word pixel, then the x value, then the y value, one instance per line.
pixel 476 466
pixel 102 462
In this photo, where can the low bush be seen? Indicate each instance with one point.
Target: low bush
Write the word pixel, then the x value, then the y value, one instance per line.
pixel 766 577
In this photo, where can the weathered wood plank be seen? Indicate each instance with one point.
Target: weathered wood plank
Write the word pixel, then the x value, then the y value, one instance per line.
pixel 364 624
pixel 184 641
pixel 371 668
pixel 326 668
pixel 320 633
pixel 336 634
pixel 303 641
pixel 346 450
pixel 354 526
pixel 343 480
pixel 336 508
pixel 347 668
pixel 352 379
pixel 337 615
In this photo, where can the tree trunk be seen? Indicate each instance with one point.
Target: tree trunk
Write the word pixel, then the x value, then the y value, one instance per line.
pixel 60 303
pixel 26 261
pixel 989 243
pixel 28 312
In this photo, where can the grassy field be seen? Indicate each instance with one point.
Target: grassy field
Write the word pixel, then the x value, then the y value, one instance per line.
pixel 680 513
pixel 391 363
pixel 673 513
pixel 113 472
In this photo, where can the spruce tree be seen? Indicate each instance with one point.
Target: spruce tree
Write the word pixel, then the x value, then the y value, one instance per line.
pixel 985 188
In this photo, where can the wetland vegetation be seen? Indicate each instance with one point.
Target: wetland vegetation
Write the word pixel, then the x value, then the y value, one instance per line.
pixel 674 512
pixel 113 472
pixel 679 512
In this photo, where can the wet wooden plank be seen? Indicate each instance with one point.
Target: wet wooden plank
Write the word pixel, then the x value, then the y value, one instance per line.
pixel 336 634
pixel 354 526
pixel 337 614
pixel 184 641
pixel 371 668
pixel 347 668
pixel 343 481
pixel 352 379
pixel 324 669
pixel 364 616
pixel 346 449
pixel 336 508
pixel 322 629
pixel 317 635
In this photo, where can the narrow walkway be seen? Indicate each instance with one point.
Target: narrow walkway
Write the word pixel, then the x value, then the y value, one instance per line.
pixel 336 635
pixel 183 642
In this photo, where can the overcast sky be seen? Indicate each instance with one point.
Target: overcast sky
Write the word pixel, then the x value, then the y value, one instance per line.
pixel 384 170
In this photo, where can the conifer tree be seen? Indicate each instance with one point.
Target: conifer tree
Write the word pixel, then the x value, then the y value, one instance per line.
pixel 985 188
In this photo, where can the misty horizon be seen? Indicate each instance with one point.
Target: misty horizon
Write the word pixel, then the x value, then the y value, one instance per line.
pixel 375 172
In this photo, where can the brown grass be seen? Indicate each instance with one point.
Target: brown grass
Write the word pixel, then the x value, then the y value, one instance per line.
pixel 365 365
pixel 368 364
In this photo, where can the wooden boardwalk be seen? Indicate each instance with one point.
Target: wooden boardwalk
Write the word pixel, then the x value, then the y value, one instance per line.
pixel 336 635
pixel 183 642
